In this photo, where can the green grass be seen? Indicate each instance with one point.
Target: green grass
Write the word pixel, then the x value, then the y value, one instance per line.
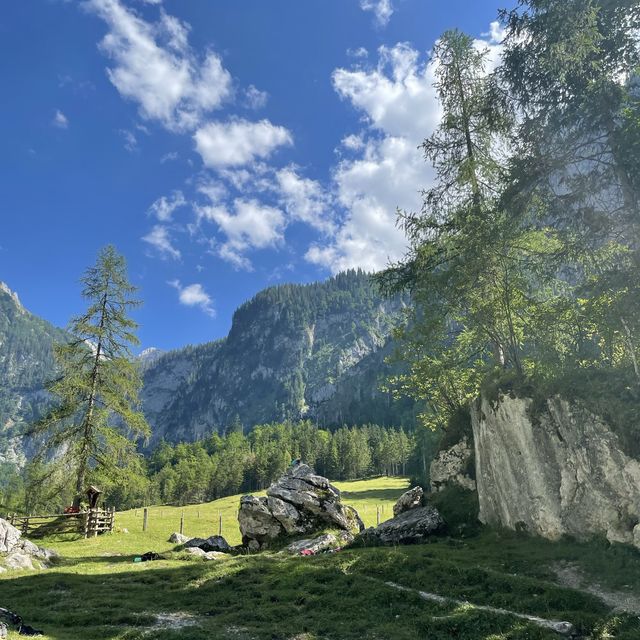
pixel 203 520
pixel 94 594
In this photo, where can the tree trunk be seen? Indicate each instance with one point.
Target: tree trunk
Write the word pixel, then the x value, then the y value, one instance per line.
pixel 85 450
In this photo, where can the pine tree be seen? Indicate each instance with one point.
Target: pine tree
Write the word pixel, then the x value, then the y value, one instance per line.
pixel 97 419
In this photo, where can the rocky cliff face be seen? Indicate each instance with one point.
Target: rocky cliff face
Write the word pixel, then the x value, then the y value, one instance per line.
pixel 26 364
pixel 294 351
pixel 558 471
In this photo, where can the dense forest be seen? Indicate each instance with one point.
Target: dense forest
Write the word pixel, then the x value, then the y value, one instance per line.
pixel 219 466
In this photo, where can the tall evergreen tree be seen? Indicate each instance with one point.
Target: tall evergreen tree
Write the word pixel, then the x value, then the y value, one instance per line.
pixel 94 425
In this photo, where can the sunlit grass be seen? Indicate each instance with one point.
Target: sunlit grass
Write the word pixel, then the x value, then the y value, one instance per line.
pixel 97 592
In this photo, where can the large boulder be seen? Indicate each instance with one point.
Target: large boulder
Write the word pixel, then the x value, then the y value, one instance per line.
pixel 411 527
pixel 300 502
pixel 554 469
pixel 408 500
pixel 9 536
pixel 19 553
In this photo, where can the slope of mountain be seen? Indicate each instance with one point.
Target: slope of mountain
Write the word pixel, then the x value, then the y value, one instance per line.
pixel 26 364
pixel 293 351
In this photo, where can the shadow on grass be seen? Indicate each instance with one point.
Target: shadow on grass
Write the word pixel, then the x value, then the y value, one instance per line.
pixel 273 598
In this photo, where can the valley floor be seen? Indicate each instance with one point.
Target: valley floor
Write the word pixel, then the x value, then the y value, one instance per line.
pixel 96 591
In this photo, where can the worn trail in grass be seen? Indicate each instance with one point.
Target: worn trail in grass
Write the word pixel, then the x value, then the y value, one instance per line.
pixel 91 595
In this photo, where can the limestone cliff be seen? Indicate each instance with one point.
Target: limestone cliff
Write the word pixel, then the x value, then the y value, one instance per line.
pixel 558 470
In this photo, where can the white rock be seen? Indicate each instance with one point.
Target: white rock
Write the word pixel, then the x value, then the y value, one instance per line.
pixel 565 473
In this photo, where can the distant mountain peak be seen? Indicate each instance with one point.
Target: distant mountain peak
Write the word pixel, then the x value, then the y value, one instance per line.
pixel 150 355
pixel 13 295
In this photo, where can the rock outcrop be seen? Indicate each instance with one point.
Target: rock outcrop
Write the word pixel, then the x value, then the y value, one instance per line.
pixel 300 502
pixel 18 553
pixel 408 500
pixel 560 472
pixel 454 466
pixel 411 527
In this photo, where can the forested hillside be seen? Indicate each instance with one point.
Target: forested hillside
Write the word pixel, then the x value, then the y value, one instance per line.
pixel 294 351
pixel 26 363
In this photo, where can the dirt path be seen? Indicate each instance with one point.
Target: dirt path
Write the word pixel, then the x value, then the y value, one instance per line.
pixel 570 575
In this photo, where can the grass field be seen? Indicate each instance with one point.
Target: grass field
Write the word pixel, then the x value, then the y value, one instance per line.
pixel 97 592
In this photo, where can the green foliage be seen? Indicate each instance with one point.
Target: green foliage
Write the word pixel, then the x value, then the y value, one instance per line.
pixel 524 262
pixel 459 508
pixel 94 424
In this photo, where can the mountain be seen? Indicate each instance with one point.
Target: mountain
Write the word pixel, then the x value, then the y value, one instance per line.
pixel 26 364
pixel 293 351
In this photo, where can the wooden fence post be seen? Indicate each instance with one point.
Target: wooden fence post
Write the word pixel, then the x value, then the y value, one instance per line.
pixel 145 518
pixel 182 522
pixel 219 523
pixel 378 515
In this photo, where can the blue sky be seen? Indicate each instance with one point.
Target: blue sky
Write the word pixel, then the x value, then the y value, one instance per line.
pixel 222 146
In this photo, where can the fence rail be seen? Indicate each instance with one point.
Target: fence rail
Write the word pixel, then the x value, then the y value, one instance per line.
pixel 89 523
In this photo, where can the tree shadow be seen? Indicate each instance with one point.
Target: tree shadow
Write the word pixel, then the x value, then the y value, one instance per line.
pixel 264 597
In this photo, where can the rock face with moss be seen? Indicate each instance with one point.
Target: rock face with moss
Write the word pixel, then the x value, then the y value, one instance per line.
pixel 454 466
pixel 300 502
pixel 554 470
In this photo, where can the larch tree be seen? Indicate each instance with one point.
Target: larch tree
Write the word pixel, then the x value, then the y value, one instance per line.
pixel 95 424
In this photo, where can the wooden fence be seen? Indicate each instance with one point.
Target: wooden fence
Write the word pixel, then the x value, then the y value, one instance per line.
pixel 88 523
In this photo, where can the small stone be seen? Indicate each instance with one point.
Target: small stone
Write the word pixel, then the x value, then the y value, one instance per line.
pixel 196 551
pixel 178 538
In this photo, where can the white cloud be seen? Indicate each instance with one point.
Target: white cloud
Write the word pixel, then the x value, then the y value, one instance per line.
pixel 194 295
pixel 255 98
pixel 396 97
pixel 382 10
pixel 239 142
pixel 164 207
pixel 387 171
pixel 154 66
pixel 160 239
pixel 60 120
pixel 251 225
pixel 304 199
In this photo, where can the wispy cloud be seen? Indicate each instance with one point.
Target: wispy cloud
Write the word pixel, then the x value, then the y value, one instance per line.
pixel 164 207
pixel 160 239
pixel 153 65
pixel 382 10
pixel 194 295
pixel 60 120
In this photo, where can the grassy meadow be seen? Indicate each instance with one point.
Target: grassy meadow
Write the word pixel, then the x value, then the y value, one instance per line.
pixel 96 591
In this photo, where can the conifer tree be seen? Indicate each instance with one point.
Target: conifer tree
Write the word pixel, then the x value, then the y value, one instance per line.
pixel 95 423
